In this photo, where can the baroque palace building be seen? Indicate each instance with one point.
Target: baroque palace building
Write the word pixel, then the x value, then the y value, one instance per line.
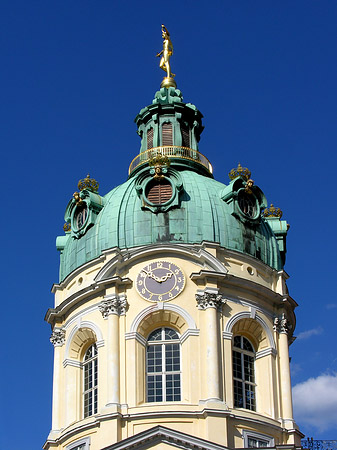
pixel 172 317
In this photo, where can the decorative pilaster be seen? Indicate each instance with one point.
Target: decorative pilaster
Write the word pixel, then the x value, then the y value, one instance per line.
pixel 111 307
pixel 58 337
pixel 211 302
pixel 282 326
pixel 113 304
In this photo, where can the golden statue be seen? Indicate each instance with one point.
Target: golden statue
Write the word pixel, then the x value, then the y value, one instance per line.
pixel 166 53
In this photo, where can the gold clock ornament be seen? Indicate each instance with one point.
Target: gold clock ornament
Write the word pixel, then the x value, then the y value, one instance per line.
pixel 160 281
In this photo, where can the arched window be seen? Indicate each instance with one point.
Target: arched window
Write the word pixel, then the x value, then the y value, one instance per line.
pixel 243 373
pixel 90 378
pixel 150 138
pixel 167 136
pixel 163 366
pixel 185 135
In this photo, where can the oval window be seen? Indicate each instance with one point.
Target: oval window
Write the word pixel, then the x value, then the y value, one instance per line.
pixel 247 204
pixel 159 191
pixel 80 216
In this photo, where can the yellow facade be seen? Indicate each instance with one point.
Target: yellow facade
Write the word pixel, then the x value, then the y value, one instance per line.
pixel 226 294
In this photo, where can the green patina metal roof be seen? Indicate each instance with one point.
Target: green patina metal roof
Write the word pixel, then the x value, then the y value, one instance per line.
pixel 201 208
pixel 202 216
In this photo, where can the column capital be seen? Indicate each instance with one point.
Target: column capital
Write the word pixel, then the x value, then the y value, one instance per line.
pixel 281 324
pixel 209 300
pixel 113 304
pixel 58 337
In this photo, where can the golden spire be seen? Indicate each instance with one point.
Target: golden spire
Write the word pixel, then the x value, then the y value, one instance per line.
pixel 164 63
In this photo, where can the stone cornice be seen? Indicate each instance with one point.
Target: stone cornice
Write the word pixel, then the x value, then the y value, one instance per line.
pixel 96 287
pixel 207 275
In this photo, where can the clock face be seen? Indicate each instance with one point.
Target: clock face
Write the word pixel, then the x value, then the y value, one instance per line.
pixel 160 281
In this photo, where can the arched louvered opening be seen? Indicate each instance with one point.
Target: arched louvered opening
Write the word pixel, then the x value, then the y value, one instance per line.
pixel 185 135
pixel 167 135
pixel 150 138
pixel 159 191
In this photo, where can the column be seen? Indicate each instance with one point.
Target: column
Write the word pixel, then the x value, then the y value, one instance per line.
pixel 57 339
pixel 287 407
pixel 210 302
pixel 111 308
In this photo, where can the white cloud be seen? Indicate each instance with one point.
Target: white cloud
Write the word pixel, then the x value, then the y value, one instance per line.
pixel 315 402
pixel 307 334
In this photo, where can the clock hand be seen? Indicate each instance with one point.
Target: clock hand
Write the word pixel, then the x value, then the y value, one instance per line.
pixel 153 276
pixel 165 277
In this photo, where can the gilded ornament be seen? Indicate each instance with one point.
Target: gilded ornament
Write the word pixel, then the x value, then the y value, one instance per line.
pixel 249 185
pixel 272 212
pixel 240 172
pixel 164 63
pixel 88 183
pixel 67 227
pixel 159 164
pixel 77 198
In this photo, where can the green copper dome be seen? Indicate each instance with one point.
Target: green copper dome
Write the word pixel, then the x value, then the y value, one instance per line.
pixel 171 197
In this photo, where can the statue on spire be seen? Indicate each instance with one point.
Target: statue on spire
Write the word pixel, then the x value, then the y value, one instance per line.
pixel 166 54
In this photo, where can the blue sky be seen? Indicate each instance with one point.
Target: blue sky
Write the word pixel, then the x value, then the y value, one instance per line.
pixel 73 76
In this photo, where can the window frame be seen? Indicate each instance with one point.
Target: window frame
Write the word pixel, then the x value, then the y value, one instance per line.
pixel 242 380
pixel 93 362
pixel 84 441
pixel 163 372
pixel 248 434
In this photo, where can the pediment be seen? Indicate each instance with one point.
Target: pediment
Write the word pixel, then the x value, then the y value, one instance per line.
pixel 163 438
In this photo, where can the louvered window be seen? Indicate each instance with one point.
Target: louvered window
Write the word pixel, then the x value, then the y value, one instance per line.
pixel 150 138
pixel 159 192
pixel 167 138
pixel 185 135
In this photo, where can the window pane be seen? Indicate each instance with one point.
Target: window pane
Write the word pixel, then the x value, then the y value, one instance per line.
pixel 238 394
pixel 237 369
pixel 247 345
pixel 170 334
pixel 248 362
pixel 237 341
pixel 250 396
pixel 155 336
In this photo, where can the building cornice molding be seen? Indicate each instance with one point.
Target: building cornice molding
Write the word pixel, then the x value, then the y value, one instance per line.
pixel 157 434
pixel 85 294
pixel 65 434
pixel 194 252
pixel 266 352
pixel 137 336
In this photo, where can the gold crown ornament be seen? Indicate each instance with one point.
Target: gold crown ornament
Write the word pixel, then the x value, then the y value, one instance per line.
pixel 272 212
pixel 88 183
pixel 66 227
pixel 240 172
